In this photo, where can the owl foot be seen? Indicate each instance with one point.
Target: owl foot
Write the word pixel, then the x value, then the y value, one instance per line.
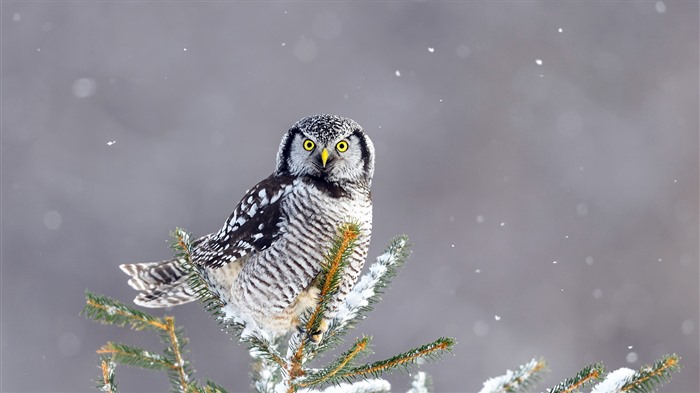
pixel 314 336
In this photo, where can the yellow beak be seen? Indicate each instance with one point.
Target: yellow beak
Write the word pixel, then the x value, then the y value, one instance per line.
pixel 324 157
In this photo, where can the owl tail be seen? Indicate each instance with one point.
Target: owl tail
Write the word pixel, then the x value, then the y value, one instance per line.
pixel 162 284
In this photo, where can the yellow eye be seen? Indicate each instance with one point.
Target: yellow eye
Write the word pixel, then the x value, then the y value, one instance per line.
pixel 342 146
pixel 309 145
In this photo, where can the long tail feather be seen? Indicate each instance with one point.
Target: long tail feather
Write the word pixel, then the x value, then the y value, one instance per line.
pixel 163 284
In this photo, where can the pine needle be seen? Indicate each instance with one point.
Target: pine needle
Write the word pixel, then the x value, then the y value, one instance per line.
pixel 134 357
pixel 650 378
pixel 519 380
pixel 340 367
pixel 112 312
pixel 584 377
pixel 430 351
pixel 329 282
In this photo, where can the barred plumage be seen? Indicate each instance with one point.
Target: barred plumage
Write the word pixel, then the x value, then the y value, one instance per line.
pixel 264 260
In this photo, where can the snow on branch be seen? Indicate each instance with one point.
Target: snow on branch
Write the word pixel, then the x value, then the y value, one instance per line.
pixel 366 386
pixel 647 379
pixel 586 376
pixel 516 381
pixel 368 289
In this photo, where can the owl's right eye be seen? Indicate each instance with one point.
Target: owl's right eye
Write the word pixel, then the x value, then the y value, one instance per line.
pixel 309 145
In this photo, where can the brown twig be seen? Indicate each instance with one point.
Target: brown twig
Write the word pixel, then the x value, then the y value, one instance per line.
pixel 179 361
pixel 671 362
pixel 294 368
pixel 379 367
pixel 105 375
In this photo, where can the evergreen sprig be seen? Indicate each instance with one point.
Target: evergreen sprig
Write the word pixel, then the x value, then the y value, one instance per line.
pixel 106 383
pixel 589 374
pixel 329 280
pixel 428 352
pixel 209 387
pixel 519 380
pixel 332 271
pixel 112 312
pixel 364 386
pixel 181 246
pixel 650 378
pixel 338 370
pixel 366 292
pixel 135 357
pixel 109 311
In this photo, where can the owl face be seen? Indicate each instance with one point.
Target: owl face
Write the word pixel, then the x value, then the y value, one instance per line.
pixel 328 147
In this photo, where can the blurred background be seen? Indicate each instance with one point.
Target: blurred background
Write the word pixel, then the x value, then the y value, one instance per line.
pixel 542 157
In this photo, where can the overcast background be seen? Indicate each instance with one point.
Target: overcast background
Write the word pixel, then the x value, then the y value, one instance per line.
pixel 542 157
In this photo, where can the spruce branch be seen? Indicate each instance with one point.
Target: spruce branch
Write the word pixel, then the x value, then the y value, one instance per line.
pixel 112 312
pixel 135 357
pixel 337 370
pixel 106 383
pixel 647 379
pixel 589 374
pixel 519 380
pixel 332 271
pixel 431 351
pixel 209 387
pixel 614 381
pixel 650 378
pixel 109 311
pixel 367 291
pixel 329 282
pixel 175 340
pixel 366 386
pixel 265 375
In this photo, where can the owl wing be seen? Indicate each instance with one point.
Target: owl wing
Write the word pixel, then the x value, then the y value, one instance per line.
pixel 251 227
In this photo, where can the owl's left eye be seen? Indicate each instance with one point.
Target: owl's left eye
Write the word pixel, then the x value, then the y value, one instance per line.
pixel 342 146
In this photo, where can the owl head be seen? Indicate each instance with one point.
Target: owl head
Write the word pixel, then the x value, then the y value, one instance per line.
pixel 329 147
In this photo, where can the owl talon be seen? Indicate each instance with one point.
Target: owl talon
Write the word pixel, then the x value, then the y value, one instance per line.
pixel 316 336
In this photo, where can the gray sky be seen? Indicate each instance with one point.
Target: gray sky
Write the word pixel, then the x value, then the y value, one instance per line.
pixel 541 156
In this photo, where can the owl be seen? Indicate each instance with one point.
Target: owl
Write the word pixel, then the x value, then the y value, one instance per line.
pixel 264 261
